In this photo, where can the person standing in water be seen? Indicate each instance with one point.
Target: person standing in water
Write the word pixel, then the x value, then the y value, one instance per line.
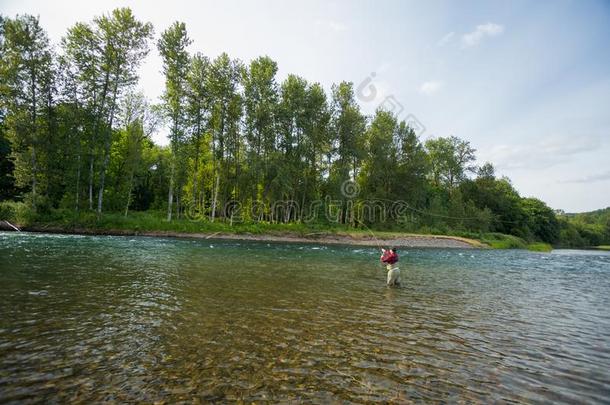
pixel 390 257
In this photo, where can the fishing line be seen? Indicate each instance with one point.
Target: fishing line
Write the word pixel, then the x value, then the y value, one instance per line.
pixel 439 215
pixel 370 231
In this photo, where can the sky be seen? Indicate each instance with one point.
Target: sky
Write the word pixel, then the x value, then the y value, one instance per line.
pixel 526 82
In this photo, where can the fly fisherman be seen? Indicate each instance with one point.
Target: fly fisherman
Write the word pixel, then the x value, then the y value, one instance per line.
pixel 389 257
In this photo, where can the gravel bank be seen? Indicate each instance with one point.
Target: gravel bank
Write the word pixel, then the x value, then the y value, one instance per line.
pixel 415 241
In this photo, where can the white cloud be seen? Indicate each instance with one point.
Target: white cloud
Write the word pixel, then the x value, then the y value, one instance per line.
pixel 334 25
pixel 373 94
pixel 484 30
pixel 444 40
pixel 541 155
pixel 592 178
pixel 430 87
pixel 383 68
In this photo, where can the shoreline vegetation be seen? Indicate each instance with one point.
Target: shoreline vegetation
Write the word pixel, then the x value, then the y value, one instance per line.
pixel 287 156
pixel 117 225
pixel 148 224
pixel 324 238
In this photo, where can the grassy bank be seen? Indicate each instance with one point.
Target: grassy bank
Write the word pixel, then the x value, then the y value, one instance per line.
pixel 152 223
pixel 502 241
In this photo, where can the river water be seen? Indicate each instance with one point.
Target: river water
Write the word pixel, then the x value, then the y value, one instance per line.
pixel 92 319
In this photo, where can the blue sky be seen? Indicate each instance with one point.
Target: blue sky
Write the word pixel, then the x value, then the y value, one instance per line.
pixel 526 82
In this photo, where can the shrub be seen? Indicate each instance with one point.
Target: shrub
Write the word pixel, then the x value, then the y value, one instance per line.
pixel 18 213
pixel 7 210
pixel 501 241
pixel 539 247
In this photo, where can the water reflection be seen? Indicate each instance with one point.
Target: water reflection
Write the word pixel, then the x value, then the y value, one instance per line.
pixel 145 319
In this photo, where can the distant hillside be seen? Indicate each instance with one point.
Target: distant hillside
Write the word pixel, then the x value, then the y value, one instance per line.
pixel 585 228
pixel 600 216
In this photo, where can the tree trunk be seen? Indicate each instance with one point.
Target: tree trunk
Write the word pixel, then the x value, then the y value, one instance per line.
pixel 34 175
pixel 100 196
pixel 78 183
pixel 196 168
pixel 170 194
pixel 34 136
pixel 93 136
pixel 129 194
pixel 195 174
pixel 213 214
pixel 91 181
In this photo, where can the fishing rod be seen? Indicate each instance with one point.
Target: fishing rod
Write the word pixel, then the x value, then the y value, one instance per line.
pixel 370 231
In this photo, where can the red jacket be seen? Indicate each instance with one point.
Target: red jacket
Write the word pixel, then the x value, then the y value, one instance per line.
pixel 389 257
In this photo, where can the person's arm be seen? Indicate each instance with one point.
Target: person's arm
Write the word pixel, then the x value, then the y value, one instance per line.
pixel 384 255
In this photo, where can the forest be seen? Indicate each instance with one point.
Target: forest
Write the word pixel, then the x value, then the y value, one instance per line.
pixel 244 147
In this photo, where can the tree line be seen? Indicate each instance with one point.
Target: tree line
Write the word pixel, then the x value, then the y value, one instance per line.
pixel 75 135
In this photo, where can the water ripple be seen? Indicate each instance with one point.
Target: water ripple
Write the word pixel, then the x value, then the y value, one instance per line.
pixel 92 319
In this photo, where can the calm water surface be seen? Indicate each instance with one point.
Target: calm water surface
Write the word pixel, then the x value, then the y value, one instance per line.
pixel 153 319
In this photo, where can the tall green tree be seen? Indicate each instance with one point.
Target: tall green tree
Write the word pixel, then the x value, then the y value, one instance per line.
pixel 139 120
pixel 226 105
pixel 105 56
pixel 451 159
pixel 124 43
pixel 395 165
pixel 26 70
pixel 413 166
pixel 261 97
pixel 379 174
pixel 81 64
pixel 500 197
pixel 348 127
pixel 318 140
pixel 198 118
pixel 541 220
pixel 290 163
pixel 172 47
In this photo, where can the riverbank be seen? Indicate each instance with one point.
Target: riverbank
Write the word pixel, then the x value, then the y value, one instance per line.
pixel 154 224
pixel 384 239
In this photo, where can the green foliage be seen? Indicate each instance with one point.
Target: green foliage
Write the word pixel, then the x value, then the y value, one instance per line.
pixel 451 159
pixel 7 182
pixel 26 70
pixel 539 247
pixel 587 229
pixel 541 220
pixel 379 171
pixel 502 241
pixel 7 210
pixel 75 137
pixel 100 61
pixel 348 125
pixel 18 213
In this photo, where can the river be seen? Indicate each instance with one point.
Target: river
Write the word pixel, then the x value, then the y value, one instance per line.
pixel 88 319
